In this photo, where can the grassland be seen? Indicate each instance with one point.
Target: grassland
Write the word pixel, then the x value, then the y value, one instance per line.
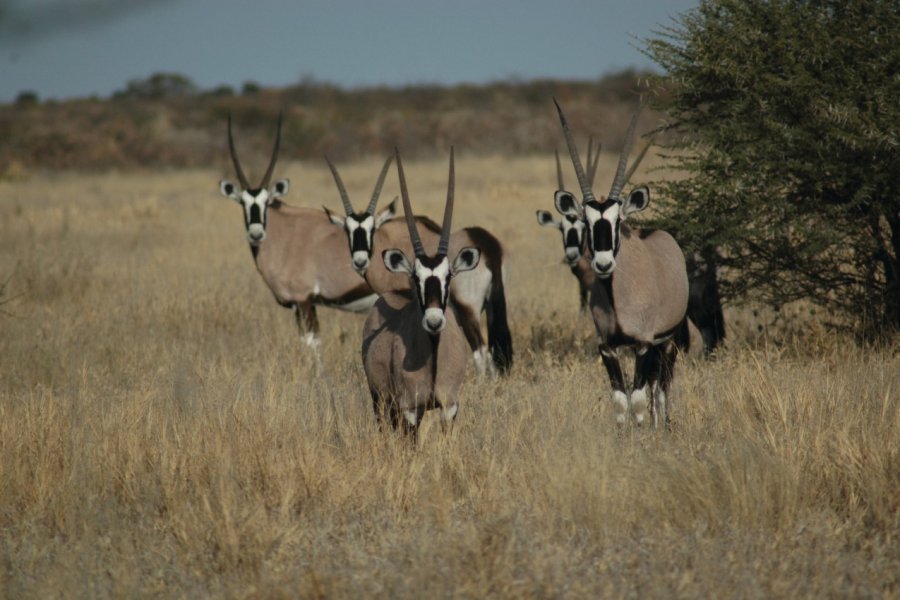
pixel 163 432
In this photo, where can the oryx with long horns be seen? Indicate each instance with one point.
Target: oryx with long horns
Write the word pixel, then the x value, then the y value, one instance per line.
pixel 572 229
pixel 640 295
pixel 296 250
pixel 473 292
pixel 414 352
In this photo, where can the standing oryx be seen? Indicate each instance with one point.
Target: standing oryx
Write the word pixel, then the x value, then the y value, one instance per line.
pixel 296 250
pixel 640 296
pixel 479 289
pixel 414 353
pixel 704 305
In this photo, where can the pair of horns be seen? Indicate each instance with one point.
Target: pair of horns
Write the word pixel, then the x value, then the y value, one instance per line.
pixel 410 221
pixel 592 162
pixel 237 165
pixel 345 199
pixel 623 173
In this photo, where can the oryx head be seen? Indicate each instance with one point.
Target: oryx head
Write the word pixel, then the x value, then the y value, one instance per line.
pixel 430 275
pixel 602 217
pixel 571 226
pixel 360 227
pixel 254 199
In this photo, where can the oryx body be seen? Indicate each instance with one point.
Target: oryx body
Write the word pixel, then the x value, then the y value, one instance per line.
pixel 640 295
pixel 473 291
pixel 296 250
pixel 414 352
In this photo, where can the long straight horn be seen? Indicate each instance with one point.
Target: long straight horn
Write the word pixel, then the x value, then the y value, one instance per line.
pixel 374 201
pixel 418 249
pixel 448 210
pixel 345 199
pixel 237 165
pixel 559 175
pixel 268 176
pixel 637 161
pixel 586 192
pixel 619 180
pixel 592 166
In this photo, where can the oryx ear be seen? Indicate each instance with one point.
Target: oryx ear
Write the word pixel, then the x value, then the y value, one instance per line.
pixel 387 214
pixel 637 200
pixel 229 190
pixel 545 219
pixel 396 261
pixel 566 204
pixel 280 188
pixel 334 218
pixel 466 259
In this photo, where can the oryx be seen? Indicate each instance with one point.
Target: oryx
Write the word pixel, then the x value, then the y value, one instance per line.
pixel 414 352
pixel 477 290
pixel 572 229
pixel 704 305
pixel 296 250
pixel 640 295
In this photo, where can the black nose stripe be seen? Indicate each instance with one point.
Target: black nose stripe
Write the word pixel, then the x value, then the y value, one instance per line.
pixel 255 214
pixel 602 236
pixel 360 241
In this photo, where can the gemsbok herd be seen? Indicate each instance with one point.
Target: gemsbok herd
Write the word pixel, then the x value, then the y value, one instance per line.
pixel 425 286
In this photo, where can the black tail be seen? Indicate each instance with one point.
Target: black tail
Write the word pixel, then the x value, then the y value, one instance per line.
pixel 683 336
pixel 499 336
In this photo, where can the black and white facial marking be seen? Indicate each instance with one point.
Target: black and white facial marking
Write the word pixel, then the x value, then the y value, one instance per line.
pixel 255 203
pixel 360 229
pixel 430 279
pixel 572 230
pixel 603 224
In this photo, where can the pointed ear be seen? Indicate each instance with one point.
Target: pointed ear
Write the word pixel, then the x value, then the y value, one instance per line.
pixel 466 259
pixel 387 214
pixel 636 201
pixel 229 190
pixel 566 204
pixel 545 219
pixel 334 218
pixel 280 188
pixel 396 261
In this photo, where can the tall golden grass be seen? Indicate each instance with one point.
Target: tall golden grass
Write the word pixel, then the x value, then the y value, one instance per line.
pixel 163 432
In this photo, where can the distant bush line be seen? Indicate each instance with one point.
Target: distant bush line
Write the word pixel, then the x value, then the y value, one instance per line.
pixel 164 121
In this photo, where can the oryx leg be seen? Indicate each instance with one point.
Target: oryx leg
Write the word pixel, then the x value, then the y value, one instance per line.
pixel 583 298
pixel 668 353
pixel 378 406
pixel 449 410
pixel 646 373
pixel 410 421
pixel 617 380
pixel 307 323
pixel 471 326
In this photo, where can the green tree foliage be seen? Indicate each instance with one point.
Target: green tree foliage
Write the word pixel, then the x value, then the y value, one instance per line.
pixel 786 116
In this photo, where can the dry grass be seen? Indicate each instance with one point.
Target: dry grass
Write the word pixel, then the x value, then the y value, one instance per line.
pixel 163 431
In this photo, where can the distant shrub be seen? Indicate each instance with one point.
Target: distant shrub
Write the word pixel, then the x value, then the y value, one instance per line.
pixel 158 86
pixel 27 98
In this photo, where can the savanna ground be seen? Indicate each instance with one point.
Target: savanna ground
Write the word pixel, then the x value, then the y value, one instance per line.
pixel 163 432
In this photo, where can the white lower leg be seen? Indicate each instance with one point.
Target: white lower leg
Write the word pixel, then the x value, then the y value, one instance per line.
pixel 639 404
pixel 311 340
pixel 620 405
pixel 483 363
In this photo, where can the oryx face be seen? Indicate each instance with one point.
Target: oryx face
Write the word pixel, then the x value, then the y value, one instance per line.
pixel 255 203
pixel 572 230
pixel 430 281
pixel 602 221
pixel 360 229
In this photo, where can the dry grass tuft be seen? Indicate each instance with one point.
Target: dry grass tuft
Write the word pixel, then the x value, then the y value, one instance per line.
pixel 163 431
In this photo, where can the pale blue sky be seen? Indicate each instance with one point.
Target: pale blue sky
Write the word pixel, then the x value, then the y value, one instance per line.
pixel 72 48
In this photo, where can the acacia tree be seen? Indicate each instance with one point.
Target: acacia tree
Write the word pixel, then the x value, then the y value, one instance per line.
pixel 786 117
